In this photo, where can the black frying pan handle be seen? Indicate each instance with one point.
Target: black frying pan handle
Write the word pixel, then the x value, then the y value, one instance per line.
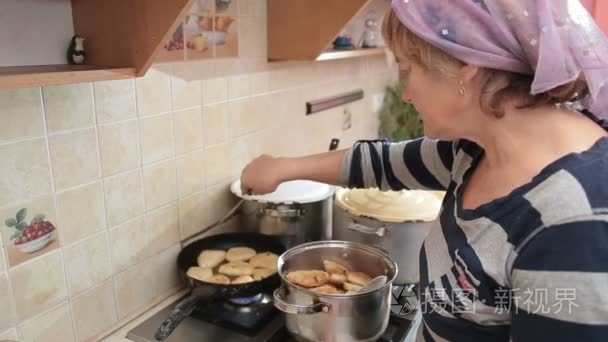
pixel 179 313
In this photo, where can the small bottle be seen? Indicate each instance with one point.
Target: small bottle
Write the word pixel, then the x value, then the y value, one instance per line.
pixel 369 38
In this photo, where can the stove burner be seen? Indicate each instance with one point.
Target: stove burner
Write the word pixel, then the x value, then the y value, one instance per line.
pixel 246 300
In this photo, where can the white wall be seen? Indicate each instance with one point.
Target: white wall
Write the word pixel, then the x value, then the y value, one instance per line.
pixel 34 32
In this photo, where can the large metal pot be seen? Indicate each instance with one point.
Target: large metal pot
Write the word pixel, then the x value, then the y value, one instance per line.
pixel 335 318
pixel 297 212
pixel 381 219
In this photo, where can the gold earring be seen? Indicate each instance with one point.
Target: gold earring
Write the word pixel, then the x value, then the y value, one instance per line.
pixel 462 90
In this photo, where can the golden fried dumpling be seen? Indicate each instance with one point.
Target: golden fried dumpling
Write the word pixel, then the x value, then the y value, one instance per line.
pixel 327 289
pixel 334 267
pixel 236 269
pixel 211 258
pixel 337 278
pixel 358 278
pixel 242 280
pixel 199 273
pixel 261 273
pixel 308 278
pixel 264 260
pixel 218 279
pixel 239 254
pixel 352 287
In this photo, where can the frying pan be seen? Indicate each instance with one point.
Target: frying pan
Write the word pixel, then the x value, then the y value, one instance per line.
pixel 207 292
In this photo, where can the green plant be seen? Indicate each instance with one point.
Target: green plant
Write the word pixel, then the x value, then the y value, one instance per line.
pixel 399 120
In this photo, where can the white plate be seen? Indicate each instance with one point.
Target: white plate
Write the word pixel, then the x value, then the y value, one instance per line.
pixel 36 244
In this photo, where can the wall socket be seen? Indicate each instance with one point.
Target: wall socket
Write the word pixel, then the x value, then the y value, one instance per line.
pixel 347 119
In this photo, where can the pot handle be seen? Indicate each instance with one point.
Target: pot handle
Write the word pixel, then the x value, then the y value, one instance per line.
pixel 281 304
pixel 380 231
pixel 179 313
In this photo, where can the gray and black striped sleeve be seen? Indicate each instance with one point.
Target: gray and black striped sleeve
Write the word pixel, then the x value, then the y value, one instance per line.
pixel 419 164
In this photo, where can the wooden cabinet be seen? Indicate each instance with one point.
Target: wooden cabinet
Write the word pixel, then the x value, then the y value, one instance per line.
pixel 122 38
pixel 304 30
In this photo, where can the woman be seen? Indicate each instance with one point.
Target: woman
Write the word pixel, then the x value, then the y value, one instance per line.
pixel 521 247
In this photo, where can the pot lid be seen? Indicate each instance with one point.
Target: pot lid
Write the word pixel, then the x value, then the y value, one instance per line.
pixel 298 191
pixel 391 206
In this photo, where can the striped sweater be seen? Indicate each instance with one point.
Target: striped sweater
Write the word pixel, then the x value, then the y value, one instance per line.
pixel 529 266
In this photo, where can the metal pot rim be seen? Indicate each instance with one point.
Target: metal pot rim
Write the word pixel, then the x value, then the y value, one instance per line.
pixel 336 243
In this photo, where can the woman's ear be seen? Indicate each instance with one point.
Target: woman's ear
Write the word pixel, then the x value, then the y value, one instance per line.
pixel 468 73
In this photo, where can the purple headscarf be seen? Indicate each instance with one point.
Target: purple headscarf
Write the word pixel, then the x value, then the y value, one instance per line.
pixel 555 40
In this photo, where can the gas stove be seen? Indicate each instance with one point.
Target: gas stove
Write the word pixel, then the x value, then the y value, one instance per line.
pixel 256 320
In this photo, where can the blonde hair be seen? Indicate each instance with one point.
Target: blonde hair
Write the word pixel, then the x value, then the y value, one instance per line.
pixel 498 86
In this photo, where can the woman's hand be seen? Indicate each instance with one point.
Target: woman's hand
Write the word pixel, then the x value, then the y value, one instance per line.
pixel 262 175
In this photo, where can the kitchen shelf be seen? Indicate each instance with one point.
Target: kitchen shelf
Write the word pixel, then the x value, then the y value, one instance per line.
pixel 32 76
pixel 350 53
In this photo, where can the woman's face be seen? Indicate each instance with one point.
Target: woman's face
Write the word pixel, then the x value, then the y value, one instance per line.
pixel 437 99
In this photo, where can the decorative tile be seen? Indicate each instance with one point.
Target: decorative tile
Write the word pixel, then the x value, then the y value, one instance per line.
pixel 135 288
pixel 22 236
pixel 227 7
pixel 52 326
pixel 124 197
pixel 75 158
pixel 215 124
pixel 193 214
pixel 190 173
pixel 154 91
pixel 156 138
pixel 199 36
pixel 188 127
pixel 128 243
pixel 173 49
pixel 115 100
pixel 94 312
pixel 119 147
pixel 22 114
pixel 215 90
pixel 227 44
pixel 186 93
pixel 162 227
pixel 68 106
pixel 238 86
pixel 7 315
pixel 38 285
pixel 24 171
pixel 160 186
pixel 81 212
pixel 87 263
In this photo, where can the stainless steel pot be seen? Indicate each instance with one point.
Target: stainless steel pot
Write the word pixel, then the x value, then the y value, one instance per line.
pixel 402 241
pixel 298 212
pixel 335 318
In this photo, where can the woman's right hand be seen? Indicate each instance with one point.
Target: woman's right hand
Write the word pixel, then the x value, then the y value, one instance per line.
pixel 262 175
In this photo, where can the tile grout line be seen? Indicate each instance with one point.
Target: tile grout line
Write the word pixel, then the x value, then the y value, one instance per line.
pixel 174 152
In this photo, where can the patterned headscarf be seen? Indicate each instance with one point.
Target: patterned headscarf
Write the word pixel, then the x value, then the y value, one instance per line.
pixel 554 40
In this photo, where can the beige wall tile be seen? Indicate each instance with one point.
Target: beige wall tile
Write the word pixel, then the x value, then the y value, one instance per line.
pixel 94 311
pixel 164 267
pixel 156 138
pixel 215 90
pixel 21 114
pixel 124 197
pixel 80 212
pixel 154 91
pixel 186 93
pixel 68 106
pixel 238 86
pixel 260 82
pixel 252 37
pixel 215 124
pixel 114 100
pixel 190 173
pixel 2 257
pixel 135 288
pixel 54 325
pixel 10 335
pixel 239 118
pixel 75 158
pixel 221 200
pixel 7 315
pixel 38 285
pixel 193 214
pixel 87 263
pixel 188 130
pixel 128 243
pixel 162 226
pixel 218 163
pixel 160 185
pixel 119 147
pixel 24 171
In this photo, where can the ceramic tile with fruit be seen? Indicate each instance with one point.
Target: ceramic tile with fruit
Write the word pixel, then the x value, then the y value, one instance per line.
pixel 29 237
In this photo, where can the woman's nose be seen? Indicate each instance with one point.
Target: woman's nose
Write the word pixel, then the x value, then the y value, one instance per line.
pixel 405 96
